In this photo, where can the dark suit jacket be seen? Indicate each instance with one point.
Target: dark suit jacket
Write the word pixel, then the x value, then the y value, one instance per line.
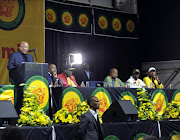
pixel 50 78
pixel 16 59
pixel 88 129
pixel 83 77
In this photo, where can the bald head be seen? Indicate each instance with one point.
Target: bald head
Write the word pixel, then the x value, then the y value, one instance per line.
pixel 24 47
pixel 114 73
pixel 52 68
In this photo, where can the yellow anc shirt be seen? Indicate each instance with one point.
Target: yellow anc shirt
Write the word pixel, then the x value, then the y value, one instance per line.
pixel 70 82
pixel 148 82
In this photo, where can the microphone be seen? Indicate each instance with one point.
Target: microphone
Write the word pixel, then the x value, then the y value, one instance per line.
pixel 32 50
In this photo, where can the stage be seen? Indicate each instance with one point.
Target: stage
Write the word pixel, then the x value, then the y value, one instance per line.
pixel 116 131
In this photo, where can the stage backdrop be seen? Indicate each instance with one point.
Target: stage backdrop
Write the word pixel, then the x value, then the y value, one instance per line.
pixel 20 20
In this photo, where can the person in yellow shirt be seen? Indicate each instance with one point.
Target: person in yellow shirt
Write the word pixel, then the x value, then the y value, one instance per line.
pixel 152 81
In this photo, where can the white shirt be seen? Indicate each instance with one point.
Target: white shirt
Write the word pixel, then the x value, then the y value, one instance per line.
pixel 88 74
pixel 135 83
pixel 95 113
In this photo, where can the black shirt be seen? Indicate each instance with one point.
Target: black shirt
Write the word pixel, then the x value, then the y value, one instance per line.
pixel 24 57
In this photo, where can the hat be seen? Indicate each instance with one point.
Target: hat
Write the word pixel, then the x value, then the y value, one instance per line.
pixel 151 69
pixel 136 71
pixel 68 67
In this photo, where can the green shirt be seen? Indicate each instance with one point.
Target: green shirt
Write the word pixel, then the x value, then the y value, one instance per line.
pixel 108 81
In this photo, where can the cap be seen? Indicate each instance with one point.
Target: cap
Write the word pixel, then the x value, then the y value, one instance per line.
pixel 151 69
pixel 136 71
pixel 68 67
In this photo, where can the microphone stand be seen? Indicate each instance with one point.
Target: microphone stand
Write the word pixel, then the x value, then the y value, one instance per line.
pixel 35 56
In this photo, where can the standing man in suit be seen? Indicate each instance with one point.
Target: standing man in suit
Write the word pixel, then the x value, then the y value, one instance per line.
pixel 14 67
pixel 90 127
pixel 86 75
pixel 16 60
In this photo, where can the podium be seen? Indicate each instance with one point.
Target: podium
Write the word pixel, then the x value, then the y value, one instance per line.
pixel 35 76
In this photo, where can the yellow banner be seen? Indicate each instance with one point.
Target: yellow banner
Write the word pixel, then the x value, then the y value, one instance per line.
pixel 20 20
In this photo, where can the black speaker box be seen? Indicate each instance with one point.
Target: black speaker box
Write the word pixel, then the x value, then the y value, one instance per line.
pixel 120 111
pixel 8 113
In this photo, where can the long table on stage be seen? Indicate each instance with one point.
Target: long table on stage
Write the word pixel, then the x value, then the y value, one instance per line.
pixel 116 131
pixel 69 97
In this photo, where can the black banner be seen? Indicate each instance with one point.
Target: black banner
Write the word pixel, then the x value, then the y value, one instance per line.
pixel 68 18
pixel 113 23
pixel 111 131
pixel 115 131
pixel 113 94
pixel 78 19
pixel 36 133
pixel 170 129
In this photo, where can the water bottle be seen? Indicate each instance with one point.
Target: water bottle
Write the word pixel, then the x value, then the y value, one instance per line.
pixel 82 84
pixel 87 83
pixel 56 83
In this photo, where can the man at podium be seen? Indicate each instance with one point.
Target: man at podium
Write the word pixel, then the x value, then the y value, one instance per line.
pixel 16 72
pixel 17 58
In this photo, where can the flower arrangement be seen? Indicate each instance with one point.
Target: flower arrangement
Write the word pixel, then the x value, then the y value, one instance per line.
pixel 172 111
pixel 31 113
pixel 81 108
pixel 63 116
pixel 146 111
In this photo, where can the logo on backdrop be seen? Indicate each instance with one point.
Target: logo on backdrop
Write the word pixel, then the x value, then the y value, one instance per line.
pixel 128 96
pixel 104 99
pixel 130 25
pixel 111 137
pixel 83 20
pixel 70 98
pixel 7 93
pixel 176 95
pixel 11 14
pixel 175 135
pixel 116 23
pixel 41 88
pixel 102 22
pixel 51 15
pixel 140 136
pixel 67 18
pixel 160 98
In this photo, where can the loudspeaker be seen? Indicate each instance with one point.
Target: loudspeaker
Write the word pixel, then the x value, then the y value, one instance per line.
pixel 8 113
pixel 120 111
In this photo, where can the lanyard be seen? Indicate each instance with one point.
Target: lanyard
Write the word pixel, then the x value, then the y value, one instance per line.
pixel 137 82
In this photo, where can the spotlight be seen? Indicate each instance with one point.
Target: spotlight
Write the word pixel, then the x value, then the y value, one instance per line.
pixel 75 58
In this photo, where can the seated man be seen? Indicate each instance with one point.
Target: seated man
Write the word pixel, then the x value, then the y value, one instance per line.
pixel 52 73
pixel 112 80
pixel 67 78
pixel 152 81
pixel 85 75
pixel 134 81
